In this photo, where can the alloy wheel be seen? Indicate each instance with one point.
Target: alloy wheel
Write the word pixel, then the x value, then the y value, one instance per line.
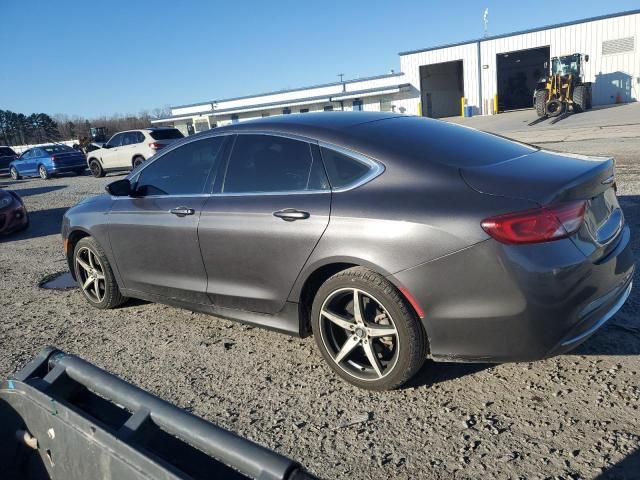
pixel 359 334
pixel 14 173
pixel 91 275
pixel 43 172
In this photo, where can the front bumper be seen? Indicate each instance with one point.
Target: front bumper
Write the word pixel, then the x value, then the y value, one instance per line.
pixel 13 218
pixel 497 303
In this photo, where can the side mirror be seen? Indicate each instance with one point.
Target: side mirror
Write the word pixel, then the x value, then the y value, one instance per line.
pixel 120 188
pixel 106 145
pixel 586 58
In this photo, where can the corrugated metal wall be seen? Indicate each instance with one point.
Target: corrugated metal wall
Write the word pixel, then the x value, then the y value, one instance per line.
pixel 616 76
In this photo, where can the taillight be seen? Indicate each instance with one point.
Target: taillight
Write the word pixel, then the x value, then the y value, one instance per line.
pixel 538 225
pixel 53 158
pixel 156 145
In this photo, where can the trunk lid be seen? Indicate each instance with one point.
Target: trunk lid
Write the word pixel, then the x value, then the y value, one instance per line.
pixel 548 178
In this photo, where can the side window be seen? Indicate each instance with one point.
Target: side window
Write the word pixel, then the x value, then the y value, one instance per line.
pixel 265 163
pixel 129 138
pixel 182 171
pixel 343 170
pixel 139 137
pixel 26 155
pixel 116 140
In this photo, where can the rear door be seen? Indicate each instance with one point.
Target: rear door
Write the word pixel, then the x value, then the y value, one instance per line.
pixel 127 150
pixel 154 233
pixel 258 231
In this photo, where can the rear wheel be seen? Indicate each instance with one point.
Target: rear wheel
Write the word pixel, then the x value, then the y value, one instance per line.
pixel 96 168
pixel 541 100
pixel 43 172
pixel 14 173
pixel 137 161
pixel 580 98
pixel 555 107
pixel 95 276
pixel 366 331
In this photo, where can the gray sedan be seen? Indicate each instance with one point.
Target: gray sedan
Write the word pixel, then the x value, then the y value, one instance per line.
pixel 389 238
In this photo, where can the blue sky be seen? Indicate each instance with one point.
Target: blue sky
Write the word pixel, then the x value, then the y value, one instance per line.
pixel 93 58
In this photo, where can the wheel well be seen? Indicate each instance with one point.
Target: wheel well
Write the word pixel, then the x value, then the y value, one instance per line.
pixel 311 287
pixel 72 241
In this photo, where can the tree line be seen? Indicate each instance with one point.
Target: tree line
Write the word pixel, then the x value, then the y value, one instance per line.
pixel 21 129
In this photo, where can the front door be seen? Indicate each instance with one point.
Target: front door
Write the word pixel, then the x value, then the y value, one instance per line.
pixel 257 233
pixel 154 234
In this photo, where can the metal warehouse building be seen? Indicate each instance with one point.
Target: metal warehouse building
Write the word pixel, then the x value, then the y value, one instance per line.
pixel 490 75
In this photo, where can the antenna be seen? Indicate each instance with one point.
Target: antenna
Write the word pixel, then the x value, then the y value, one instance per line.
pixel 485 20
pixel 341 75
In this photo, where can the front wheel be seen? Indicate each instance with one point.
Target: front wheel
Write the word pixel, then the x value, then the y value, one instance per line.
pixel 366 331
pixel 96 168
pixel 43 172
pixel 14 173
pixel 95 276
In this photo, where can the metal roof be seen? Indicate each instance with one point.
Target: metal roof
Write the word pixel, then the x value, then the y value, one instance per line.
pixel 301 100
pixel 538 29
pixel 332 84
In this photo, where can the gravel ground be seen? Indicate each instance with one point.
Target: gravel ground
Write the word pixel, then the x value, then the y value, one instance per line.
pixel 574 416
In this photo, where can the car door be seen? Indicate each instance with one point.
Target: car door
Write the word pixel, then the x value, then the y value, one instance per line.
pixel 26 163
pixel 126 150
pixel 39 156
pixel 109 152
pixel 257 233
pixel 153 234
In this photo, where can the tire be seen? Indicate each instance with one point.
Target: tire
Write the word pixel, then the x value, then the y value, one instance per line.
pixel 96 169
pixel 579 98
pixel 137 161
pixel 555 107
pixel 398 355
pixel 541 101
pixel 14 174
pixel 103 292
pixel 42 171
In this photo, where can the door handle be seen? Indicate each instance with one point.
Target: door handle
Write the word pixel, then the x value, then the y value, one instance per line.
pixel 291 214
pixel 182 211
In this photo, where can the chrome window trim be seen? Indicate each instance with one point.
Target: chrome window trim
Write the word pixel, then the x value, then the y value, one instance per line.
pixel 376 168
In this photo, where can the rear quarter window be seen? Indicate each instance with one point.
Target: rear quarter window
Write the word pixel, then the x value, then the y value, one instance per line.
pixel 343 170
pixel 168 134
pixel 438 141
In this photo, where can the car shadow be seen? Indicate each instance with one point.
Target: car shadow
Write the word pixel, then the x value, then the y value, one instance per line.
pixel 42 223
pixel 627 469
pixel 27 192
pixel 433 373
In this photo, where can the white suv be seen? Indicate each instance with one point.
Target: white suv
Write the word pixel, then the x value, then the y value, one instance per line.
pixel 127 150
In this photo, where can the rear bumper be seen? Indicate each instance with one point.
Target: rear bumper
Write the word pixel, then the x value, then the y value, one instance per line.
pixel 497 303
pixel 67 168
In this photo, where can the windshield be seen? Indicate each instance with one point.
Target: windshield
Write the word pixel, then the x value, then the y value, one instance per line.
pixel 569 64
pixel 168 134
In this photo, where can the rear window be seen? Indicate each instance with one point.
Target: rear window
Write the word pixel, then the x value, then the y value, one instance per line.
pixel 168 134
pixel 4 151
pixel 57 149
pixel 438 141
pixel 343 170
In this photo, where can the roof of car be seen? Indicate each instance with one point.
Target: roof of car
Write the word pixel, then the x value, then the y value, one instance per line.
pixel 320 119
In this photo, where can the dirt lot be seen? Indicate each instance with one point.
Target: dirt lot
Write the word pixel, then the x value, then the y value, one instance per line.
pixel 575 416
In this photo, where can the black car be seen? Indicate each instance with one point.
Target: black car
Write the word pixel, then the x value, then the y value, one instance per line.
pixel 7 155
pixel 390 238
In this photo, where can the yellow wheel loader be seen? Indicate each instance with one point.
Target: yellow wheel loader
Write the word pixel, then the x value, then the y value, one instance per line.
pixel 564 88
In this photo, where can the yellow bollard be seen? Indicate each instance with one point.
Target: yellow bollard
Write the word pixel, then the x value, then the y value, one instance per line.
pixel 495 104
pixel 462 106
pixel 419 109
